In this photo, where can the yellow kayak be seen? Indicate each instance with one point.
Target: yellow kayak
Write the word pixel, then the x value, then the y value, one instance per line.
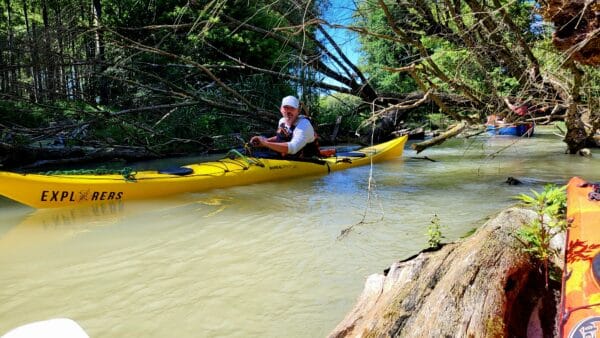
pixel 61 190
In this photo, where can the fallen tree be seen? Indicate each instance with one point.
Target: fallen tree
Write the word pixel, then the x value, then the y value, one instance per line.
pixel 451 132
pixel 32 157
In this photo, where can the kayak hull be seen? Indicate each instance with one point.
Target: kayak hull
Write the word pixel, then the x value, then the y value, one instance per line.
pixel 580 297
pixel 49 191
pixel 512 130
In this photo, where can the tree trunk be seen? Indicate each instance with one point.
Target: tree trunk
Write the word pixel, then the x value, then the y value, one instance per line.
pixel 11 78
pixel 60 60
pixel 100 66
pixel 576 33
pixel 31 157
pixel 38 63
pixel 3 69
pixel 33 67
pixel 48 59
pixel 576 134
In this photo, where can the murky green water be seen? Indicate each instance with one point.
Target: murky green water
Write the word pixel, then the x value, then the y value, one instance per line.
pixel 261 260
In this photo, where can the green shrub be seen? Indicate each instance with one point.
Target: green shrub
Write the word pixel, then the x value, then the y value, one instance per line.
pixel 434 233
pixel 550 206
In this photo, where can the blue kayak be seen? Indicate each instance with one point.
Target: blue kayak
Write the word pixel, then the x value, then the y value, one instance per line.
pixel 512 130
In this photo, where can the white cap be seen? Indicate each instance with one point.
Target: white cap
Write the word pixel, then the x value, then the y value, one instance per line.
pixel 290 101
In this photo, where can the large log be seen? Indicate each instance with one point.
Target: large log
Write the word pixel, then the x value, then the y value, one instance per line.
pixel 484 286
pixel 451 132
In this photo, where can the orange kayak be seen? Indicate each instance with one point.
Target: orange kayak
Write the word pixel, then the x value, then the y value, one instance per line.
pixel 580 300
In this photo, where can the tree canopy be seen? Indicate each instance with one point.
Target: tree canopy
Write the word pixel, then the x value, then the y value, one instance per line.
pixel 169 75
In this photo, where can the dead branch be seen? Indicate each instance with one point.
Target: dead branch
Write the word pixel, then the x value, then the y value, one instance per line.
pixel 402 106
pixel 313 61
pixel 319 84
pixel 476 133
pixel 451 132
pixel 149 49
pixel 423 158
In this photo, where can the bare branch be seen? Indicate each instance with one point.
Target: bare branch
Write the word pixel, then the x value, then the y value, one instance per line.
pixel 451 132
pixel 396 107
pixel 145 48
pixel 319 84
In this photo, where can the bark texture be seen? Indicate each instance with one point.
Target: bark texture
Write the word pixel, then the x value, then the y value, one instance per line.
pixel 484 286
pixel 577 28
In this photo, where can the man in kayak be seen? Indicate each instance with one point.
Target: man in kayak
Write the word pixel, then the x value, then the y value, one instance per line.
pixel 295 133
pixel 494 120
pixel 519 109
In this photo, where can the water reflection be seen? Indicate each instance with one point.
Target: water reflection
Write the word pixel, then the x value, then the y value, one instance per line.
pixel 37 229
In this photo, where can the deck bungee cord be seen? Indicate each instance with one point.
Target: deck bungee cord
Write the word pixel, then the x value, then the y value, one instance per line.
pixel 232 153
pixel 593 195
pixel 232 157
pixel 127 172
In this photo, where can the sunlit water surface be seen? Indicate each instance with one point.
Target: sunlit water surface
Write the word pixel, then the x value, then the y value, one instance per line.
pixel 262 260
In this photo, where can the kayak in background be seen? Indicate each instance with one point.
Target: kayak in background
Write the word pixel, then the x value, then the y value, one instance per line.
pixel 511 129
pixel 71 189
pixel 580 297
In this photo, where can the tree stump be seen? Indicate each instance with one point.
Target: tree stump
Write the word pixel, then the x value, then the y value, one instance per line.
pixel 484 286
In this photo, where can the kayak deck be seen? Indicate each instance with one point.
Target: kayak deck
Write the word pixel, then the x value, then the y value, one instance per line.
pixel 580 297
pixel 47 191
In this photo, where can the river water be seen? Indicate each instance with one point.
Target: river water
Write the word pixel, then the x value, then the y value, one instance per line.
pixel 263 260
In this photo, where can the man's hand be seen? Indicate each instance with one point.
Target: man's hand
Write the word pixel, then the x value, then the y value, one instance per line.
pixel 257 141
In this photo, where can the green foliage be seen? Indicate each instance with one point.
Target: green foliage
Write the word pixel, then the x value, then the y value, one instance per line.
pixel 23 113
pixel 550 206
pixel 347 106
pixel 36 116
pixel 381 53
pixel 451 40
pixel 505 85
pixel 552 201
pixel 437 120
pixel 434 233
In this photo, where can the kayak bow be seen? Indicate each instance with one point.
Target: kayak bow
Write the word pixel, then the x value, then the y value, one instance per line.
pixel 60 190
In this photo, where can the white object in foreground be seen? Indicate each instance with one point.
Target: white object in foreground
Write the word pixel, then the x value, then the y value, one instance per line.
pixel 52 328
